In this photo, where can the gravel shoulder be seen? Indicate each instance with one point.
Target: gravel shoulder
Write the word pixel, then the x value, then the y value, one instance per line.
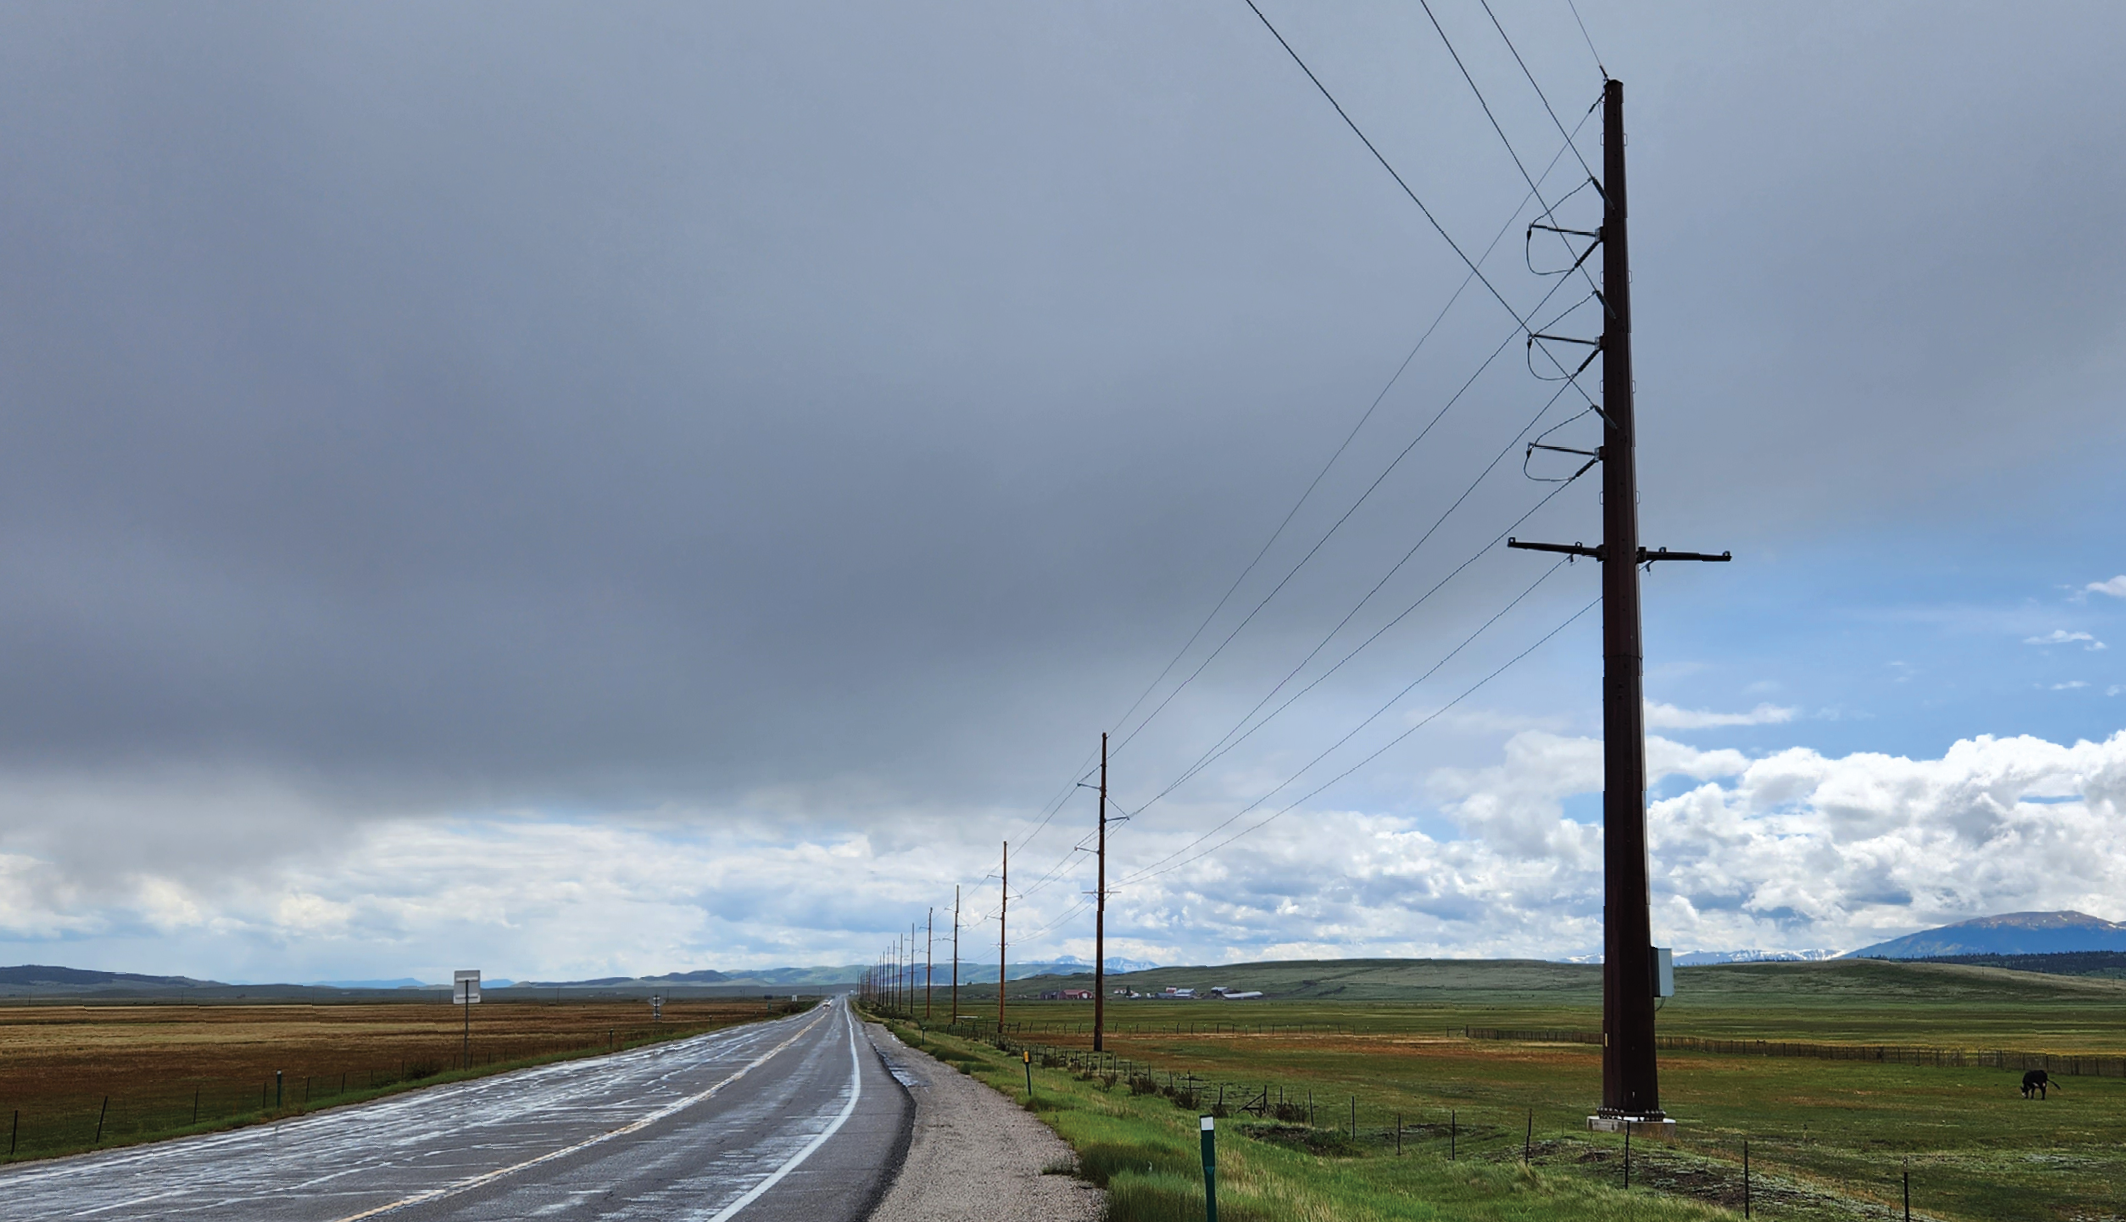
pixel 975 1154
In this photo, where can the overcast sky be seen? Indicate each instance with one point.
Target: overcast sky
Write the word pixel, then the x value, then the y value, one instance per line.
pixel 580 491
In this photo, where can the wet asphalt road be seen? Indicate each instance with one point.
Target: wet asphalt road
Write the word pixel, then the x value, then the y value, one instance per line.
pixel 795 1119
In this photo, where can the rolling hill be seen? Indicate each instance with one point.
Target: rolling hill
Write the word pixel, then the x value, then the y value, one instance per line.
pixel 2014 933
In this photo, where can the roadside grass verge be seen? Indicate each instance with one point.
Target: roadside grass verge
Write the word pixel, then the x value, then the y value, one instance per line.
pixel 1827 1139
pixel 1142 1147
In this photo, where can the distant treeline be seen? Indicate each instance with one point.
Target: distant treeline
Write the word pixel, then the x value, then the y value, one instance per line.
pixel 2063 963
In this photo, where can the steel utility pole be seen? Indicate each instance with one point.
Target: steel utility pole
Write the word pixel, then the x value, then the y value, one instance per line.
pixel 1630 1080
pixel 955 952
pixel 929 921
pixel 1003 906
pixel 1100 914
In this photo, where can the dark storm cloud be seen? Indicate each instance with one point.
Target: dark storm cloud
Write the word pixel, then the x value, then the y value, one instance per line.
pixel 520 404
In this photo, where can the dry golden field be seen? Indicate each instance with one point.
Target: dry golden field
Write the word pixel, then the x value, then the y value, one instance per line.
pixel 75 1076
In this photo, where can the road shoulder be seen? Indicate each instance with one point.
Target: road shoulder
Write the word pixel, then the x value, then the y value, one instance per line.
pixel 974 1154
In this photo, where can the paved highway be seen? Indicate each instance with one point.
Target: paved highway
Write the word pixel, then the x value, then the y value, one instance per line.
pixel 795 1119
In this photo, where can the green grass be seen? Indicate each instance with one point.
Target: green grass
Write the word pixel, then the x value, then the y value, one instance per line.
pixel 1143 1150
pixel 1828 1139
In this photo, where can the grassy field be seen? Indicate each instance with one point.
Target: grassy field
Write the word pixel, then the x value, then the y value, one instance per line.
pixel 76 1077
pixel 1828 1138
pixel 1858 1001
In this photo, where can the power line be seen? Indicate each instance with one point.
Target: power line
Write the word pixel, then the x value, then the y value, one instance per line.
pixel 1126 738
pixel 1222 747
pixel 1475 273
pixel 1056 870
pixel 1323 644
pixel 1055 804
pixel 1481 101
pixel 1369 720
pixel 1590 42
pixel 1537 87
pixel 1311 794
pixel 1392 173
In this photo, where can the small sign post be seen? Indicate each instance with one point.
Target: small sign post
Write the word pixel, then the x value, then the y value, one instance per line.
pixel 465 991
pixel 657 1009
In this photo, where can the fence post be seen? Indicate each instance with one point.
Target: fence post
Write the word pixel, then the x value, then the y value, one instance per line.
pixel 1528 1139
pixel 1354 1118
pixel 195 1105
pixel 279 1096
pixel 1454 1132
pixel 1908 1190
pixel 100 1114
pixel 1398 1134
pixel 1627 1155
pixel 1745 1179
pixel 14 1131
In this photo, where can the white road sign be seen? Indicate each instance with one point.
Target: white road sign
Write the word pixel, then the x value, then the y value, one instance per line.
pixel 465 988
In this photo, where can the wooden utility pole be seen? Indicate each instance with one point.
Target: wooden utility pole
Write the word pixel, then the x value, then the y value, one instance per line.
pixel 1100 914
pixel 929 921
pixel 955 952
pixel 1630 1078
pixel 1003 906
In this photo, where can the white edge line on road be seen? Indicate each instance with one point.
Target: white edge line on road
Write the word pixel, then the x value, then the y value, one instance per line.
pixel 489 1177
pixel 856 1091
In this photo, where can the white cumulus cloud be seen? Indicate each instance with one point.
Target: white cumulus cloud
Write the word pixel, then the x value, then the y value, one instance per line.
pixel 1792 850
pixel 1669 717
pixel 2060 636
pixel 2116 587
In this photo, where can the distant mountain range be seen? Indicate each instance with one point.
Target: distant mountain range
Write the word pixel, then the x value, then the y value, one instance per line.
pixel 33 978
pixel 2016 933
pixel 1701 958
pixel 34 975
pixel 822 977
pixel 774 977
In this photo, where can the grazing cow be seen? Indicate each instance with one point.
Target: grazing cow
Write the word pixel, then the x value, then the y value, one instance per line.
pixel 2036 1081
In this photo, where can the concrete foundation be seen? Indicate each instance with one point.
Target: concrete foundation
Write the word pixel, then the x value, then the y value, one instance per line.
pixel 1663 1129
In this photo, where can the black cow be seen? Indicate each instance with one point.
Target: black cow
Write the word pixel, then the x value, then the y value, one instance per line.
pixel 2036 1081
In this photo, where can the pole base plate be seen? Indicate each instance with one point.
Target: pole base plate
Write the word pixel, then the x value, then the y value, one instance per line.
pixel 1663 1129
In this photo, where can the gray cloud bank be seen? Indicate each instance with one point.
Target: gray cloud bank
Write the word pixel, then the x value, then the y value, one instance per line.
pixel 484 406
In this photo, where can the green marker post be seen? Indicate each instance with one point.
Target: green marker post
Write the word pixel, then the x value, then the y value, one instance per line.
pixel 1210 1171
pixel 1029 1073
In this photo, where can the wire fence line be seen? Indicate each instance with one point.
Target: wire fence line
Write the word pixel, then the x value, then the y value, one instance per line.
pixel 2069 1064
pixel 1332 1120
pixel 113 1110
pixel 2065 1064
